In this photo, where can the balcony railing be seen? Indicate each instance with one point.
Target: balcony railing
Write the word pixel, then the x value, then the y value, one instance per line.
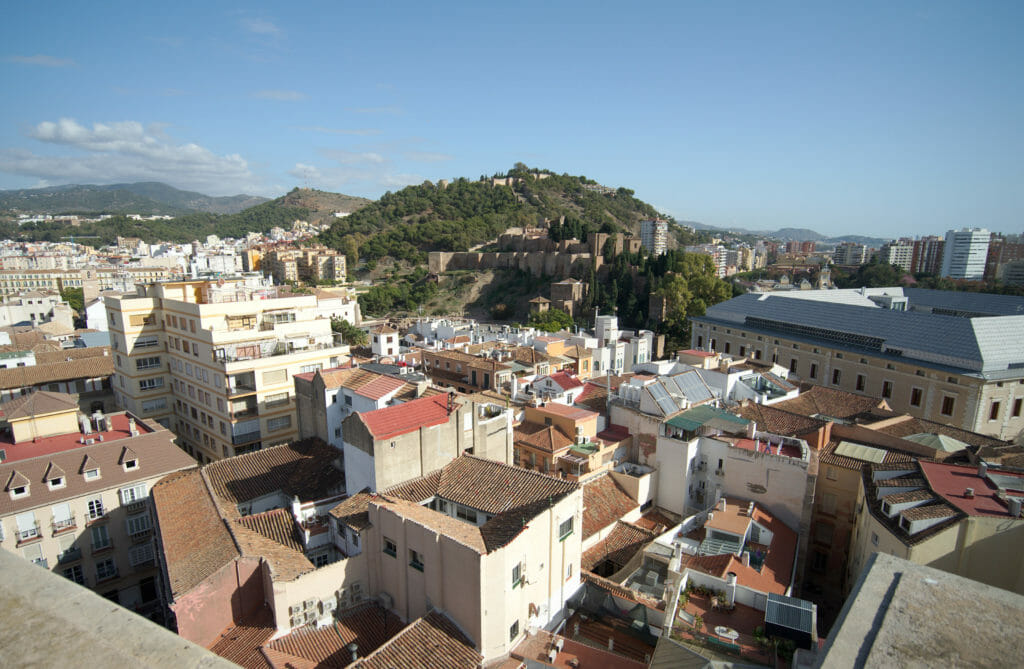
pixel 64 524
pixel 245 437
pixel 70 555
pixel 257 351
pixel 245 412
pixel 241 388
pixel 99 548
pixel 29 534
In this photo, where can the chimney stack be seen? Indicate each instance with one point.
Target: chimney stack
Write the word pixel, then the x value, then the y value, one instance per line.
pixel 982 469
pixel 969 493
pixel 354 649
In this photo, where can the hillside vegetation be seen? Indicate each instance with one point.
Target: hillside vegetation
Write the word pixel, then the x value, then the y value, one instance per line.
pixel 430 217
pixel 146 197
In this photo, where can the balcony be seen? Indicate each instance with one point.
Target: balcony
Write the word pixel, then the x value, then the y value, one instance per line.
pixel 31 534
pixel 136 506
pixel 70 555
pixel 63 525
pixel 241 384
pixel 245 437
pixel 271 348
pixel 102 548
pixel 245 411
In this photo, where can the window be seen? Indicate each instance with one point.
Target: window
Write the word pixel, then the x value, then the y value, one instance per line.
pixel 96 508
pixel 106 569
pixel 154 405
pixel 727 347
pixel 565 529
pixel 415 560
pixel 92 474
pixel 860 382
pixel 138 524
pixel 334 399
pixel 56 482
pixel 100 538
pixel 1017 407
pixel 887 389
pixel 836 375
pixel 278 399
pixel 823 534
pixel 275 376
pixel 792 366
pixel 517 575
pixel 513 631
pixel 874 538
pixel 390 547
pixel 150 384
pixel 820 561
pixel 133 494
pixel 814 370
pixel 466 514
pixel 141 554
pixel 993 412
pixel 337 432
pixel 828 504
pixel 279 423
pixel 948 403
pixel 830 473
pixel 146 342
pixel 348 400
pixel 915 397
pixel 19 491
pixel 308 369
pixel 75 574
pixel 147 363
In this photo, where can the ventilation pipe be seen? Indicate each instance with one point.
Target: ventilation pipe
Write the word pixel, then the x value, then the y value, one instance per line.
pixel 730 588
pixel 982 469
pixel 354 649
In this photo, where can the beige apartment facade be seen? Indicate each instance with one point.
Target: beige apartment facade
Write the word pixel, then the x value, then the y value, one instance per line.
pixel 214 360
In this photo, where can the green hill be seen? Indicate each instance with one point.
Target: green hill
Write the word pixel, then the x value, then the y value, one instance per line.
pixel 459 215
pixel 147 198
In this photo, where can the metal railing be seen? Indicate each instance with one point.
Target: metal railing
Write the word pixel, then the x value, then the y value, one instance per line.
pixel 65 524
pixel 245 437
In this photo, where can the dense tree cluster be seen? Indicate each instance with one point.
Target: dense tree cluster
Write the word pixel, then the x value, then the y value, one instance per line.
pixel 351 335
pixel 406 294
pixel 551 320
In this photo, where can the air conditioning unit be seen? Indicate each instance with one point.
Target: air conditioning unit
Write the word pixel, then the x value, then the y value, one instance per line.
pixel 297 621
pixel 386 600
pixel 309 604
pixel 328 605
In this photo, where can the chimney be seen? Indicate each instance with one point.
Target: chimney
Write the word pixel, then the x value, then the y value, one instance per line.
pixel 969 493
pixel 746 558
pixel 722 504
pixel 354 649
pixel 982 469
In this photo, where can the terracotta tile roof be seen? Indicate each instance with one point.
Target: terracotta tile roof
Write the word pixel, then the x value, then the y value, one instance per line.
pixel 655 521
pixel 512 494
pixel 65 354
pixel 929 511
pixel 594 397
pixel 528 355
pixel 621 591
pixel 829 402
pixel 286 562
pixel 368 626
pixel 34 375
pixel 379 387
pixel 38 403
pixel 828 456
pixel 951 481
pixel 466 534
pixel 604 502
pixel 565 380
pixel 402 418
pixel 911 425
pixel 353 511
pixel 305 469
pixel 566 411
pixel 908 496
pixel 241 643
pixel 621 544
pixel 196 542
pixel 546 438
pixel 277 525
pixel 429 642
pixel 716 565
pixel 384 329
pixel 775 420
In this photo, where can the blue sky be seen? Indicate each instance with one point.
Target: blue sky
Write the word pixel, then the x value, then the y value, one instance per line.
pixel 849 118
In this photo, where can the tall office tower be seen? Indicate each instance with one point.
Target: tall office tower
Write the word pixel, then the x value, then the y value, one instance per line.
pixel 965 253
pixel 927 255
pixel 654 235
pixel 213 360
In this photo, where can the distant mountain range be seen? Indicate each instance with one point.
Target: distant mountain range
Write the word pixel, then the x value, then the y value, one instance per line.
pixel 146 197
pixel 792 234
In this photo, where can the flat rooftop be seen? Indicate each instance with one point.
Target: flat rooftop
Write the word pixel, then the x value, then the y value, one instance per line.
pixel 759 446
pixel 67 442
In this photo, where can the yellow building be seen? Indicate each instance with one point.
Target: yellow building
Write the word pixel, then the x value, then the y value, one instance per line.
pixel 214 360
pixel 963 520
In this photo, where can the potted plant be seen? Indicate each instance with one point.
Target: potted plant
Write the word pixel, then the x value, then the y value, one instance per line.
pixel 698 622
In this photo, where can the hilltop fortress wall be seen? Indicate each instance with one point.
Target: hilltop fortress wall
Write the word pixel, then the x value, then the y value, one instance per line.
pixel 550 263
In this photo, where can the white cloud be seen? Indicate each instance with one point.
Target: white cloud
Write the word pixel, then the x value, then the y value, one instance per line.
pixel 38 59
pixel 364 180
pixel 339 131
pixel 127 151
pixel 355 158
pixel 280 96
pixel 260 26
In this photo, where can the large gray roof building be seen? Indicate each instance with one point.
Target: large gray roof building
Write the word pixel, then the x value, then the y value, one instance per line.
pixel 951 357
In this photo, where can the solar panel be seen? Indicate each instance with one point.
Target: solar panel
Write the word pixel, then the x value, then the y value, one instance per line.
pixel 860 452
pixel 796 614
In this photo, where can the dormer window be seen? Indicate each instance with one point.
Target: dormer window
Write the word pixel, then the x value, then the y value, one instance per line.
pixel 56 483
pixel 131 464
pixel 19 491
pixel 92 474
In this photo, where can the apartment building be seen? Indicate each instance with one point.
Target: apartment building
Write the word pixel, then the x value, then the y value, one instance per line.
pixel 850 254
pixel 965 253
pixel 654 236
pixel 15 282
pixel 388 446
pixel 36 307
pixel 214 360
pixel 947 357
pixel 77 494
pixel 898 252
pixel 469 373
pixel 316 263
pixel 84 372
pixel 961 519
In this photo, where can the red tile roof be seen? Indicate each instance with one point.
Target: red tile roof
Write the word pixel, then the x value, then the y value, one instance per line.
pixel 380 387
pixel 428 642
pixel 400 419
pixel 547 438
pixel 307 469
pixel 368 626
pixel 63 443
pixel 241 643
pixel 277 525
pixel 621 544
pixel 566 381
pixel 821 400
pixel 353 511
pixel 604 502
pixel 950 482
